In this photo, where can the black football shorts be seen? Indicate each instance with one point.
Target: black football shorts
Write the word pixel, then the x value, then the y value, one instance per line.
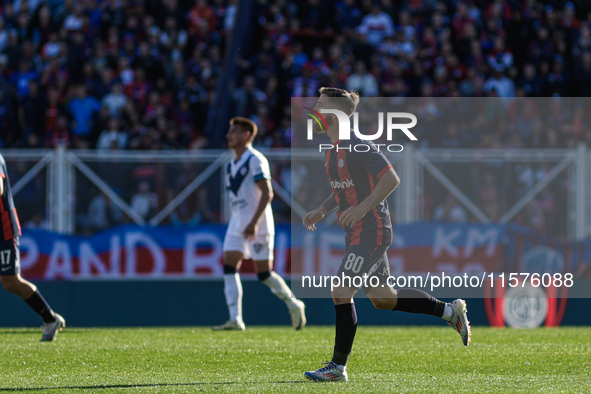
pixel 366 260
pixel 10 262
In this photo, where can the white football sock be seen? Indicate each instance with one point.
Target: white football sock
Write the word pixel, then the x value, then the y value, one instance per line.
pixel 233 292
pixel 280 289
pixel 447 311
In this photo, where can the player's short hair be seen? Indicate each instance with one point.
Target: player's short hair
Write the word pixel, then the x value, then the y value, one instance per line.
pixel 247 125
pixel 348 106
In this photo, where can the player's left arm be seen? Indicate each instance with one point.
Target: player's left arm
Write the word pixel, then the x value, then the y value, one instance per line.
pixel 1 186
pixel 265 187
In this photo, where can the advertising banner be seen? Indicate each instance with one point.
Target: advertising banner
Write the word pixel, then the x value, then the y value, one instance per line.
pixel 133 252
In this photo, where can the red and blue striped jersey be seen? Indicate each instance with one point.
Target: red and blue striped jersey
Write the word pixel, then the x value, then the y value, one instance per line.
pixel 353 176
pixel 11 227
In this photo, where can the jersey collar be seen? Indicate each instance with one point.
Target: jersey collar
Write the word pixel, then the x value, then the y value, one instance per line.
pixel 244 156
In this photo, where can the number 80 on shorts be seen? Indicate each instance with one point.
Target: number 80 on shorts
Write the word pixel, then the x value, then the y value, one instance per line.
pixel 354 262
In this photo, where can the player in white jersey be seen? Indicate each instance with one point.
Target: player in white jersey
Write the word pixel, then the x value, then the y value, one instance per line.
pixel 251 230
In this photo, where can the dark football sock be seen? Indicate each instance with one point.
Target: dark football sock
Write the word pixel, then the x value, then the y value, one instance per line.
pixel 346 326
pixel 39 305
pixel 417 301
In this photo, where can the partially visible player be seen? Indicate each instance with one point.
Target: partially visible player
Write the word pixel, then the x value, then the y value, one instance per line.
pixel 10 262
pixel 360 182
pixel 251 229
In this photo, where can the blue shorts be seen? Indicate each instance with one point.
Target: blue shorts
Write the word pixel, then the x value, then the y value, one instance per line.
pixel 367 260
pixel 10 258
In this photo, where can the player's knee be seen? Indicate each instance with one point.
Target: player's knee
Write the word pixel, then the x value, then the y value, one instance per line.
pixel 263 275
pixel 10 283
pixel 341 300
pixel 383 303
pixel 343 295
pixel 229 269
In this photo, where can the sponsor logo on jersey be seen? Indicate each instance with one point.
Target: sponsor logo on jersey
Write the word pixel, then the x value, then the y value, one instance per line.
pixel 257 247
pixel 342 185
pixel 241 203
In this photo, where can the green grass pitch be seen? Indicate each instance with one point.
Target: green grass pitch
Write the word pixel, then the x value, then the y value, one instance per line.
pixel 273 359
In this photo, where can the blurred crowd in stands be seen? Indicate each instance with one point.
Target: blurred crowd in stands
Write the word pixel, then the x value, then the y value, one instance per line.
pixel 141 74
pixel 422 48
pixel 110 74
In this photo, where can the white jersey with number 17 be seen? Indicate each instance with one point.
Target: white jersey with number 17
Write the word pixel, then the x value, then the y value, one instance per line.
pixel 241 178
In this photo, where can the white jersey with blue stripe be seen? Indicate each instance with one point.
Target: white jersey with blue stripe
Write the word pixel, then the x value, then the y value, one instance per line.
pixel 241 178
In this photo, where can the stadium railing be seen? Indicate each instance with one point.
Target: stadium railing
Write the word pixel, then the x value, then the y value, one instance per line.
pixel 82 192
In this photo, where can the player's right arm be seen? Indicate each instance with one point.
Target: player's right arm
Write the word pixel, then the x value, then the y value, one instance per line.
pixel 1 186
pixel 316 215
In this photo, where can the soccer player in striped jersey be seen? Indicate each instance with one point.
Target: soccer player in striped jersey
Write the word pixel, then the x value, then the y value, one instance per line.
pixel 251 230
pixel 360 183
pixel 10 262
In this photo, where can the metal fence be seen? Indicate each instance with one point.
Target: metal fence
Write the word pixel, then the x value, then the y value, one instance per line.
pixel 82 192
pixel 544 189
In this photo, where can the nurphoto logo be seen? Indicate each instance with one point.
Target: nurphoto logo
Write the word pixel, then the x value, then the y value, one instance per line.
pixel 345 128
